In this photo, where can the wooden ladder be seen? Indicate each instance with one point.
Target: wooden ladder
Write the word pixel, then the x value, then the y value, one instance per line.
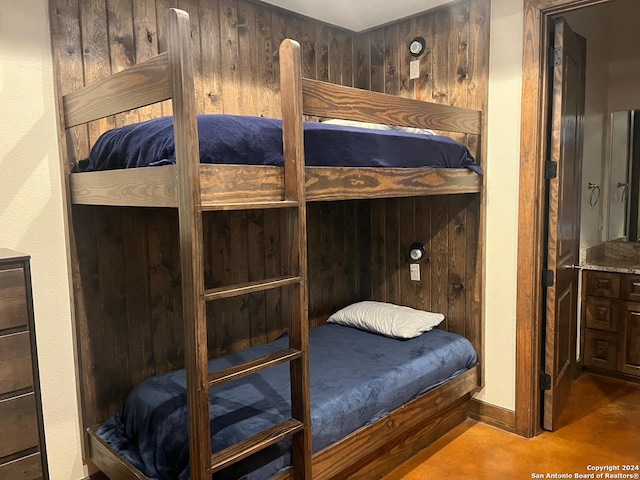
pixel 195 297
pixel 297 353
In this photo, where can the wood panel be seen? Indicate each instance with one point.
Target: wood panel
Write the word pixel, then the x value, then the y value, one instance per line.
pixel 410 443
pixel 448 227
pixel 236 61
pixel 130 274
pixel 66 42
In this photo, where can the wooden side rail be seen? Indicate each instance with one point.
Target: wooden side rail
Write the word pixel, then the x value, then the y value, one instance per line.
pixel 142 84
pixel 327 99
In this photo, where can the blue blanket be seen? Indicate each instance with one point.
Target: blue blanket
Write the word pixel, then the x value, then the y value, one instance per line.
pixel 356 378
pixel 231 139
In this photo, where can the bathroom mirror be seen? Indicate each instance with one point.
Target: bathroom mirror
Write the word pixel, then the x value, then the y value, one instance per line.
pixel 624 173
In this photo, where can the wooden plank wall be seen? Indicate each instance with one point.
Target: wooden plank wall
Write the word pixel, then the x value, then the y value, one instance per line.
pixel 129 286
pixel 236 54
pixel 448 226
pixel 128 305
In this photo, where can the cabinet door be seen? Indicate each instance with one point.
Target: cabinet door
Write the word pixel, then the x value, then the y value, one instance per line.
pixel 600 349
pixel 629 338
pixel 630 287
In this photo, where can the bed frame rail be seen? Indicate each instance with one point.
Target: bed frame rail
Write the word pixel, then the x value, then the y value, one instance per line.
pixel 348 454
pixel 330 100
pixel 140 85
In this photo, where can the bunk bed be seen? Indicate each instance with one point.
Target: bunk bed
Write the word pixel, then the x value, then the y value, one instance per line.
pixel 193 188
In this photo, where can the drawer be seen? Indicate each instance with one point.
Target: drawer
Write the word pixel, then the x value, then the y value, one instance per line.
pixel 25 468
pixel 13 298
pixel 15 363
pixel 600 349
pixel 603 284
pixel 19 424
pixel 630 287
pixel 601 314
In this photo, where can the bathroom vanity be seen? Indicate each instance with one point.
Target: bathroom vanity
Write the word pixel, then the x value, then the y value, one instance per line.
pixel 611 309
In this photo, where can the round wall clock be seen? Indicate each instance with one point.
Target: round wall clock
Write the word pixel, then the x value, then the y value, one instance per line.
pixel 417 46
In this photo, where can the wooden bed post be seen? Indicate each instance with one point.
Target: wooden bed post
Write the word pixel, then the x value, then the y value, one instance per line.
pixel 190 224
pixel 294 189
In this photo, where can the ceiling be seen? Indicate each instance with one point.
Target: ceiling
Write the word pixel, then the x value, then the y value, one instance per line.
pixel 357 15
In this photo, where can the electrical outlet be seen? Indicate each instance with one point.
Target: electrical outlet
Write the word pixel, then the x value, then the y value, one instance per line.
pixel 414 269
pixel 414 69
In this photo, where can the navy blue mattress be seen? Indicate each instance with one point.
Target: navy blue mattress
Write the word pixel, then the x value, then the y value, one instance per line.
pixel 230 139
pixel 357 377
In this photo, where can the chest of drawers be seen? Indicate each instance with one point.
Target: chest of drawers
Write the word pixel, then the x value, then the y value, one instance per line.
pixel 22 446
pixel 612 335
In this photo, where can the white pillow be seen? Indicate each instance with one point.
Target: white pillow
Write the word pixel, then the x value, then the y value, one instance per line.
pixel 387 319
pixel 379 126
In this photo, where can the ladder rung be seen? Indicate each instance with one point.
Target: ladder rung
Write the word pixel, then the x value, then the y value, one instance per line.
pixel 249 205
pixel 249 287
pixel 253 366
pixel 251 445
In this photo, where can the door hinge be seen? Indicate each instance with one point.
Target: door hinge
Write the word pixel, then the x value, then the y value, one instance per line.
pixel 550 169
pixel 545 381
pixel 555 59
pixel 547 278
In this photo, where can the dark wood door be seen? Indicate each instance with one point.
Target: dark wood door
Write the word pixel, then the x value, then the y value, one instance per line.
pixel 563 243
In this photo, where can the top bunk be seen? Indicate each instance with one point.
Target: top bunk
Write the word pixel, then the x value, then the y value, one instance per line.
pixel 222 186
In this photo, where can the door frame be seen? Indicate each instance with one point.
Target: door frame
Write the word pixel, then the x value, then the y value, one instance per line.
pixel 531 214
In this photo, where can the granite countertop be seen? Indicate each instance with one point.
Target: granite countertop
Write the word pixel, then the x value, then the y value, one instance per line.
pixel 615 265
pixel 614 256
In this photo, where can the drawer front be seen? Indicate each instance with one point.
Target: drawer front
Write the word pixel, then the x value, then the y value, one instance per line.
pixel 603 284
pixel 630 287
pixel 13 298
pixel 600 349
pixel 25 468
pixel 19 424
pixel 15 362
pixel 601 314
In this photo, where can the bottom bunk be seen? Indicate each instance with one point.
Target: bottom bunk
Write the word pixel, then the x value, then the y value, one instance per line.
pixel 367 391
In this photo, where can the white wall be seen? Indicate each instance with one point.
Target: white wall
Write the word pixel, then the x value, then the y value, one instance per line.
pixel 31 216
pixel 591 23
pixel 503 169
pixel 624 67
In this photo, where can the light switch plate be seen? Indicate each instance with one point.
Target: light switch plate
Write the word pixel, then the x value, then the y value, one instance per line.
pixel 414 269
pixel 414 69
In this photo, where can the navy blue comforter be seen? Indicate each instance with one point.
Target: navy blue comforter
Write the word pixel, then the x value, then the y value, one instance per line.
pixel 230 139
pixel 356 378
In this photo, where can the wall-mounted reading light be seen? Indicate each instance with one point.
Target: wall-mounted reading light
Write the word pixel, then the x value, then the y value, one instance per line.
pixel 417 252
pixel 417 46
